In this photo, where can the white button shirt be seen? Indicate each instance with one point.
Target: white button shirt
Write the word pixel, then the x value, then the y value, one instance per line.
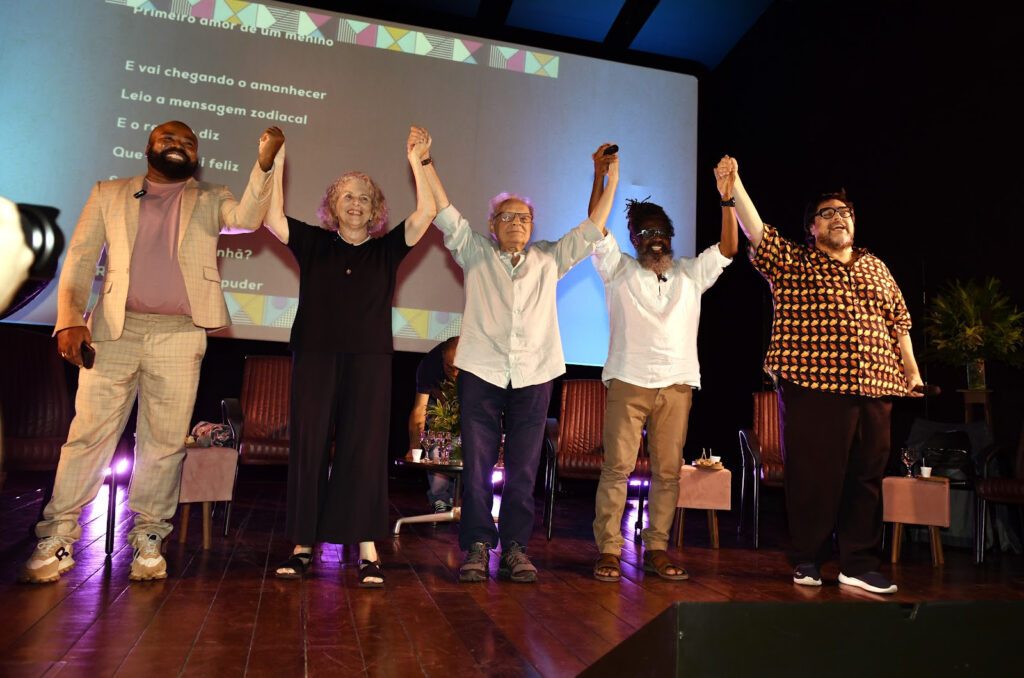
pixel 510 324
pixel 653 338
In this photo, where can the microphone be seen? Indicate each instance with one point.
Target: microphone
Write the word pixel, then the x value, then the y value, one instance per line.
pixel 927 389
pixel 662 278
pixel 614 148
pixel 139 194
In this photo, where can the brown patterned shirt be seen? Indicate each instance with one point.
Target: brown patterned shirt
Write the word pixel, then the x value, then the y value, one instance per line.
pixel 836 325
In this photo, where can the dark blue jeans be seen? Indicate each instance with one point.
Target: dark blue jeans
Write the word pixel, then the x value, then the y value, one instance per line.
pixel 525 413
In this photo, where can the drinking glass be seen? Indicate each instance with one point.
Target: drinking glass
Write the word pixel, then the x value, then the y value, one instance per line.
pixel 909 456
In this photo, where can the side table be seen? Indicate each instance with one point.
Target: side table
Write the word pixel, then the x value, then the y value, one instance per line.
pixel 700 489
pixel 916 501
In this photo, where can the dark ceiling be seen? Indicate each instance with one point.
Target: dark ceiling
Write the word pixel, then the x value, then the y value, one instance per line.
pixel 682 35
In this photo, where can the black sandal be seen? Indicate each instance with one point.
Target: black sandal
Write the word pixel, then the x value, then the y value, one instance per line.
pixel 298 563
pixel 370 569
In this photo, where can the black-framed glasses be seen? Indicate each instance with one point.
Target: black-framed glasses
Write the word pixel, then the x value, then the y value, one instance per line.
pixel 508 217
pixel 829 212
pixel 645 233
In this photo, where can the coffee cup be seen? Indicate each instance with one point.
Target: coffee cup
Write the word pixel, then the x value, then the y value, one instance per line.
pixel 417 454
pixel 926 471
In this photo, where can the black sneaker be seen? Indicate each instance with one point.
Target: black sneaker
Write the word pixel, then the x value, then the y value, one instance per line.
pixel 475 567
pixel 515 565
pixel 875 582
pixel 807 574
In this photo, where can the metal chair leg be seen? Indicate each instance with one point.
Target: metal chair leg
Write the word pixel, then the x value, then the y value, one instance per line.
pixel 550 508
pixel 980 508
pixel 743 501
pixel 757 513
pixel 111 507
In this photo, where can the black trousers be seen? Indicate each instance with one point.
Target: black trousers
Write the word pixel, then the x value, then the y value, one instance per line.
pixel 344 399
pixel 835 449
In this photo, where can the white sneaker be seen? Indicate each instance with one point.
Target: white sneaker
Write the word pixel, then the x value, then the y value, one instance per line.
pixel 148 563
pixel 869 581
pixel 48 562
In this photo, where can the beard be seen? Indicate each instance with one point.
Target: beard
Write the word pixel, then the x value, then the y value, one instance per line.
pixel 835 240
pixel 169 167
pixel 659 262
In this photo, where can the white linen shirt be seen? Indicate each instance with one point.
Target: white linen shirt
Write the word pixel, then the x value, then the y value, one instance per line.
pixel 510 324
pixel 653 337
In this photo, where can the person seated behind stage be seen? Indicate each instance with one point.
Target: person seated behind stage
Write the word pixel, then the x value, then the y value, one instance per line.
pixel 509 355
pixel 436 366
pixel 652 368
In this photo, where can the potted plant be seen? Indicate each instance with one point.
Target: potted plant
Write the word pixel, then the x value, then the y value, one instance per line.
pixel 443 417
pixel 970 322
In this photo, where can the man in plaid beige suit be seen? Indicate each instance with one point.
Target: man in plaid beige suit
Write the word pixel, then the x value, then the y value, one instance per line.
pixel 160 294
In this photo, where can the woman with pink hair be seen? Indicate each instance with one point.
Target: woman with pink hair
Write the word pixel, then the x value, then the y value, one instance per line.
pixel 341 367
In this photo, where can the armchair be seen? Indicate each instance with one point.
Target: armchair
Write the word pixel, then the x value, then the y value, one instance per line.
pixel 761 452
pixel 573 444
pixel 999 491
pixel 259 417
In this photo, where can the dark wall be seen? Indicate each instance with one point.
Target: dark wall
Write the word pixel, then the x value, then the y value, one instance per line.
pixel 907 105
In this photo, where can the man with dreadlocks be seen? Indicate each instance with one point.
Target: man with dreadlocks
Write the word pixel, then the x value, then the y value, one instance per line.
pixel 652 369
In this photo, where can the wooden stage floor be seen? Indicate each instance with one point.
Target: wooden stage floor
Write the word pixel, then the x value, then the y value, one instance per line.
pixel 223 613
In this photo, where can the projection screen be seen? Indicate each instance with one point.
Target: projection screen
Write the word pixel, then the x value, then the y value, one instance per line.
pixel 85 80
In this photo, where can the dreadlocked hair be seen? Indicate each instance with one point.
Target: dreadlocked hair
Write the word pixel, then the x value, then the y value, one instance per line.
pixel 639 212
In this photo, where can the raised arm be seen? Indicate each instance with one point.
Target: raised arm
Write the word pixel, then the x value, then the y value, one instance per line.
pixel 750 220
pixel 601 162
pixel 275 221
pixel 434 182
pixel 247 214
pixel 602 206
pixel 417 150
pixel 729 243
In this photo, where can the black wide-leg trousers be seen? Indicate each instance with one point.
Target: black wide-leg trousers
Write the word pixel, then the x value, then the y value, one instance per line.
pixel 345 399
pixel 836 448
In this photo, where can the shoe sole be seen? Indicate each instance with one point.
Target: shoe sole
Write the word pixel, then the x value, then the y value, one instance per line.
pixel 864 586
pixel 521 579
pixel 147 577
pixel 472 577
pixel 29 579
pixel 807 581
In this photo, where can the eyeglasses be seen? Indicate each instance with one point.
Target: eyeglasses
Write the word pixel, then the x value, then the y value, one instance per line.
pixel 508 217
pixel 646 233
pixel 829 212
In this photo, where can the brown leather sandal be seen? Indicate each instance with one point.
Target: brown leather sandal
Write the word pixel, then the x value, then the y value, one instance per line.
pixel 658 562
pixel 607 568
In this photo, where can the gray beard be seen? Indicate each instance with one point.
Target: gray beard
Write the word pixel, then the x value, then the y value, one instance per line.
pixel 658 262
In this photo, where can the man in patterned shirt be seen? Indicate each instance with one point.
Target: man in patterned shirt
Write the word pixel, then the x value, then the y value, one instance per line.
pixel 840 350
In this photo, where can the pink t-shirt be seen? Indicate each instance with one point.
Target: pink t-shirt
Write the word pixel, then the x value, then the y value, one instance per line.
pixel 156 283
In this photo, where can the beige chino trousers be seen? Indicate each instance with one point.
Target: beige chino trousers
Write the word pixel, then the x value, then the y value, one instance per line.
pixel 157 358
pixel 666 412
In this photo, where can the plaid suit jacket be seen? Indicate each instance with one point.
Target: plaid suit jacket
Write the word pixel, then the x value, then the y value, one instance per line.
pixel 110 219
